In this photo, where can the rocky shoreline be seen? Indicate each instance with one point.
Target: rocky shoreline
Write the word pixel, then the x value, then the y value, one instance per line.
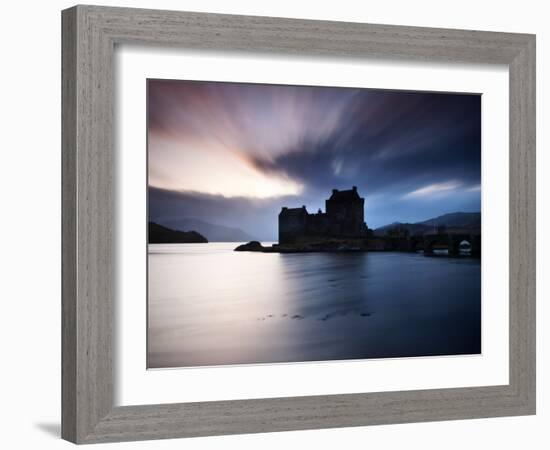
pixel 429 245
pixel 306 247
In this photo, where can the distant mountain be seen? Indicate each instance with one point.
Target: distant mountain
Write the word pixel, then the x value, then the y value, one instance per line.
pixel 457 221
pixel 414 228
pixel 162 235
pixel 214 233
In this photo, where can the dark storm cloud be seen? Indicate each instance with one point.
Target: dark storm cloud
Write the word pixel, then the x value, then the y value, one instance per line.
pixel 393 141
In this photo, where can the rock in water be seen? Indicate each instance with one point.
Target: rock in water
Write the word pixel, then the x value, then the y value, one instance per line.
pixel 252 246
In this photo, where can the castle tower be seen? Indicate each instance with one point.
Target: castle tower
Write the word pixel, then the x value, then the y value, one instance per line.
pixel 345 210
pixel 292 224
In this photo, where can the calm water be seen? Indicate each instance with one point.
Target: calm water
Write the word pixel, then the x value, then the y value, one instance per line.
pixel 209 306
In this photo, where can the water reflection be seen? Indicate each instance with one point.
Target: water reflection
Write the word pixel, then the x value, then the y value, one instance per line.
pixel 209 305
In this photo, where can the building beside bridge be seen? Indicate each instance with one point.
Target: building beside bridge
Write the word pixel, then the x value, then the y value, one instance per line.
pixel 343 218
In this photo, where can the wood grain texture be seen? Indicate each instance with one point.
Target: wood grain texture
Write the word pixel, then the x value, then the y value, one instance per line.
pixel 523 223
pixel 89 36
pixel 88 209
pixel 68 226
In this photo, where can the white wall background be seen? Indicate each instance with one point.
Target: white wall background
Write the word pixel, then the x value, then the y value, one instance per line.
pixel 30 204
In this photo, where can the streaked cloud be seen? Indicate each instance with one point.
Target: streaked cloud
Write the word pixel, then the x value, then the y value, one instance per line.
pixel 436 188
pixel 474 188
pixel 293 144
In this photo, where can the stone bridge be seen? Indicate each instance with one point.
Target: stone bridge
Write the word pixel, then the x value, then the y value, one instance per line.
pixel 450 241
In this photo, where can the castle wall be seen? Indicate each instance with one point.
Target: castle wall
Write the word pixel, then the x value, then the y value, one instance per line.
pixel 318 224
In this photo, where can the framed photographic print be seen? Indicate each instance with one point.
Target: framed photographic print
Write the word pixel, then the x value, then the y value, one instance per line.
pixel 278 224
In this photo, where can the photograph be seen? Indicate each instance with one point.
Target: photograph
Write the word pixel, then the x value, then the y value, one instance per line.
pixel 294 224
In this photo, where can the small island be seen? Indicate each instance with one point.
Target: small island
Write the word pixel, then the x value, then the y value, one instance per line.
pixel 159 234
pixel 342 228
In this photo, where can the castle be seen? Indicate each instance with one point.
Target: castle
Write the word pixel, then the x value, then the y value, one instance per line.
pixel 344 218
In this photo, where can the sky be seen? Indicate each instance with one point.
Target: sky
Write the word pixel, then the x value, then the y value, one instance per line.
pixel 233 154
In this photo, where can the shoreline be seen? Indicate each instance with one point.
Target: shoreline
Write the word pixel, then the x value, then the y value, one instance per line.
pixel 340 247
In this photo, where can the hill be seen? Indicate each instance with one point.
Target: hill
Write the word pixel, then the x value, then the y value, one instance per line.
pixel 458 221
pixel 162 235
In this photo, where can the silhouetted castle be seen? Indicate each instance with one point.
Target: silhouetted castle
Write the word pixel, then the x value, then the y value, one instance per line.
pixel 344 218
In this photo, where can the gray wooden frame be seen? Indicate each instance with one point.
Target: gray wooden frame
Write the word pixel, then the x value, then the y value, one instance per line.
pixel 89 36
